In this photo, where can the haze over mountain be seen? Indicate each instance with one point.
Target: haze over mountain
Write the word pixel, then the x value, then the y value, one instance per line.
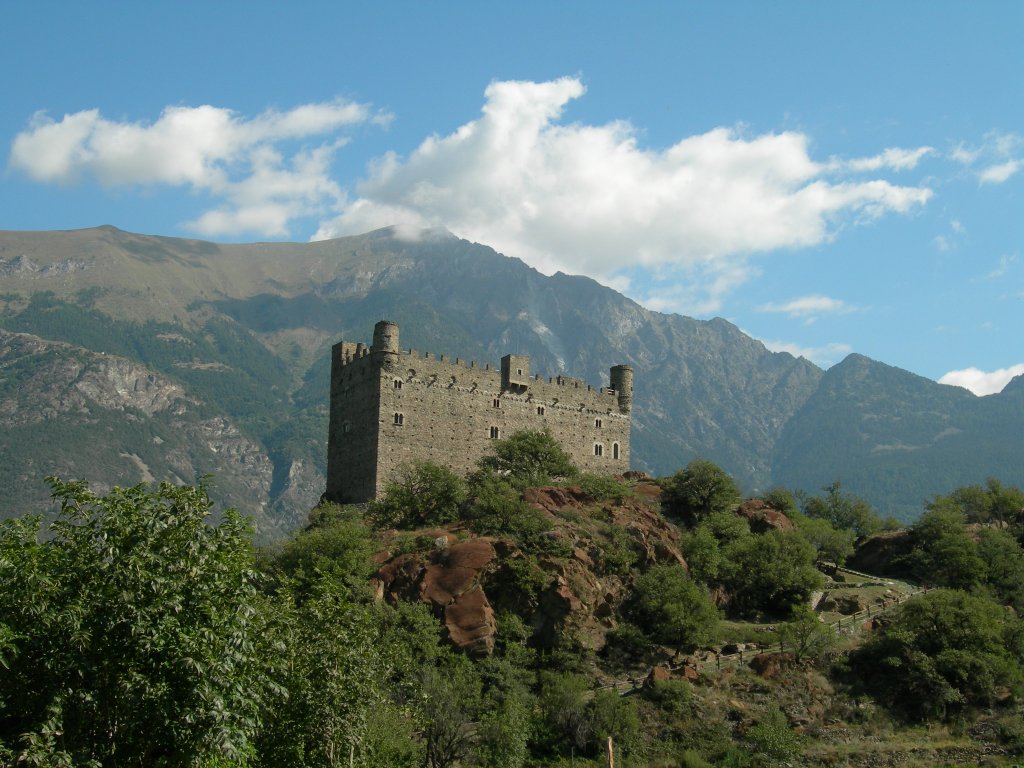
pixel 126 357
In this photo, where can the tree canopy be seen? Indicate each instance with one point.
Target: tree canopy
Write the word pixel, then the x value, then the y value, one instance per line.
pixel 698 490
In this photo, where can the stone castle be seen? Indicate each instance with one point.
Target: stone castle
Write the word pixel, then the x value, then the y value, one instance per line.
pixel 390 407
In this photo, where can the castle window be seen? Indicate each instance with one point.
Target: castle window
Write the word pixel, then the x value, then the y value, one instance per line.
pixel 598 449
pixel 398 383
pixel 597 423
pixel 615 450
pixel 497 402
pixel 347 428
pixel 519 371
pixel 540 410
pixel 495 433
pixel 399 419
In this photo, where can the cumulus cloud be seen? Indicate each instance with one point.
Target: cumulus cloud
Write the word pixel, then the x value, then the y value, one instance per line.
pixel 591 199
pixel 997 174
pixel 825 356
pixel 982 382
pixel 209 149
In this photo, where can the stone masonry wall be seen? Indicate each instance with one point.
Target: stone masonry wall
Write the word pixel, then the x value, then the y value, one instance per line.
pixel 401 407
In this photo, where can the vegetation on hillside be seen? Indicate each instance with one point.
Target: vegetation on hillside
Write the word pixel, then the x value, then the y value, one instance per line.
pixel 138 631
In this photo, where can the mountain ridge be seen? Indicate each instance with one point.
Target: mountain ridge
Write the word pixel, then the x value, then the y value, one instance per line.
pixel 246 330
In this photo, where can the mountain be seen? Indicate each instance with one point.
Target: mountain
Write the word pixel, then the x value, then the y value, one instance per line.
pixel 239 336
pixel 897 438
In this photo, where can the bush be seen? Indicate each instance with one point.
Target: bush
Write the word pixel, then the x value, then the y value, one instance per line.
pixel 771 573
pixel 529 458
pixel 672 608
pixel 698 490
pixel 423 493
pixel 602 487
pixel 942 653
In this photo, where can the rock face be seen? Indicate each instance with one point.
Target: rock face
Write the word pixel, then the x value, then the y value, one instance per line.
pixel 572 589
pixel 879 554
pixel 763 517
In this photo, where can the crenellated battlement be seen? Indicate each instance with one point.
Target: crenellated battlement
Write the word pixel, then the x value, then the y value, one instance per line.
pixel 391 406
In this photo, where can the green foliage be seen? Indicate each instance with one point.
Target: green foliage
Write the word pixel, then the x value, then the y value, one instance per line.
pixel 672 608
pixel 698 490
pixel 703 554
pixel 773 740
pixel 504 731
pixel 806 637
pixel 673 697
pixel 782 499
pixel 451 701
pixel 993 502
pixel 617 553
pixel 844 511
pixel 529 458
pixel 1004 566
pixel 612 715
pixel 602 487
pixel 422 494
pixel 138 631
pixel 942 653
pixel 771 573
pixel 496 508
pixel 336 544
pixel 626 640
pixel 943 553
pixel 331 669
pixel 832 545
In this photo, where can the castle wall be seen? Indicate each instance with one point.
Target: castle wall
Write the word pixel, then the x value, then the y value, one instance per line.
pixel 403 406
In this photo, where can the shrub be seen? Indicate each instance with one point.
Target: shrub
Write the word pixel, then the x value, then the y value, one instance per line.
pixel 702 487
pixel 422 493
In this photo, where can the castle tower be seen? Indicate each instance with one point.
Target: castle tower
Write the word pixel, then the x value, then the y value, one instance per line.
pixel 385 337
pixel 622 383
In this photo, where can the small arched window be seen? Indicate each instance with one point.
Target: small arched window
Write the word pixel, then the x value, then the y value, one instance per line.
pixel 399 419
pixel 615 450
pixel 497 402
pixel 597 423
pixel 495 433
pixel 598 449
pixel 540 410
pixel 398 383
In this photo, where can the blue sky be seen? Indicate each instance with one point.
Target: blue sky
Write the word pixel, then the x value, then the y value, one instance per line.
pixel 832 178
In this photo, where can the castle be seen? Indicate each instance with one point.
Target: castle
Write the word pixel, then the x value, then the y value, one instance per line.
pixel 390 407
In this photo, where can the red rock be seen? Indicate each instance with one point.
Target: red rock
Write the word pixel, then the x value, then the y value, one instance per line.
pixel 763 517
pixel 470 622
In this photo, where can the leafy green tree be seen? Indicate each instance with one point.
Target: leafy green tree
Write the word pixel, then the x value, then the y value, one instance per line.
pixel 771 573
pixel 772 739
pixel 993 502
pixel 943 553
pixel 529 458
pixel 1004 566
pixel 942 653
pixel 451 699
pixel 336 544
pixel 782 499
pixel 422 493
pixel 332 670
pixel 138 632
pixel 831 544
pixel 703 554
pixel 806 637
pixel 504 732
pixel 698 490
pixel 562 715
pixel 672 608
pixel 844 511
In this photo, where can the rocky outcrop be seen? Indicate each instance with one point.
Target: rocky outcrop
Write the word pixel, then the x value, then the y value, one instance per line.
pixel 880 554
pixel 763 517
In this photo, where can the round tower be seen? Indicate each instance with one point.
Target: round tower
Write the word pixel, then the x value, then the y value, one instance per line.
pixel 622 383
pixel 385 337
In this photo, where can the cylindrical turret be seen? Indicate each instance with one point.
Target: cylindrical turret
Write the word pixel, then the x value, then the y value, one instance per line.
pixel 385 337
pixel 622 383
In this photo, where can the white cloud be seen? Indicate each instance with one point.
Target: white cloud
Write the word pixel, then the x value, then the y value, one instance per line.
pixel 205 148
pixel 981 382
pixel 997 174
pixel 589 199
pixel 809 306
pixel 1006 262
pixel 1000 154
pixel 825 356
pixel 895 158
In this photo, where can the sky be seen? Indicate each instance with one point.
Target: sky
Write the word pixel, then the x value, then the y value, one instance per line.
pixel 830 177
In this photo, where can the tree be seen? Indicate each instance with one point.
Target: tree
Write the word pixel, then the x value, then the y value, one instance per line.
pixel 698 490
pixel 672 608
pixel 943 553
pixel 769 573
pixel 805 636
pixel 832 545
pixel 844 511
pixel 422 493
pixel 941 653
pixel 528 458
pixel 138 634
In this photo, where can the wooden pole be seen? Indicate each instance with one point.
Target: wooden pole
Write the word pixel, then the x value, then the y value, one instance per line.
pixel 611 753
